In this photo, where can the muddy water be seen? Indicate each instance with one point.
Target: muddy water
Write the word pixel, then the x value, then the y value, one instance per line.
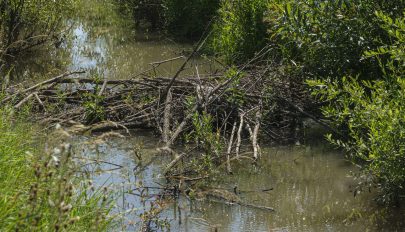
pixel 104 42
pixel 311 185
pixel 311 190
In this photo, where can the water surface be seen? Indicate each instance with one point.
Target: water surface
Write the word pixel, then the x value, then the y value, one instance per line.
pixel 312 191
pixel 103 41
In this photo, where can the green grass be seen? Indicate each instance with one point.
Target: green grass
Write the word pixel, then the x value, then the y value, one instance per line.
pixel 43 191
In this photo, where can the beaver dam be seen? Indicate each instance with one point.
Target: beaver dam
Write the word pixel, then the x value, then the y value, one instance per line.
pixel 185 143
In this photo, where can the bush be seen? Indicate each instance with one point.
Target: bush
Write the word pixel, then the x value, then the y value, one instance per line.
pixel 373 113
pixel 26 24
pixel 145 11
pixel 240 30
pixel 185 19
pixel 189 18
pixel 328 38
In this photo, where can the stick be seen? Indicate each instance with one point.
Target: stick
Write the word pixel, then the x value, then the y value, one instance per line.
pixel 228 162
pixel 181 126
pixel 42 83
pixel 24 101
pixel 251 138
pixel 165 61
pixel 239 136
pixel 195 50
pixel 175 161
pixel 103 87
pixel 166 119
pixel 255 133
pixel 166 93
pixel 39 100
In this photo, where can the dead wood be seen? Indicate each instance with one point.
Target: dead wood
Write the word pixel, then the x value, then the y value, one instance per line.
pixel 168 105
pixel 239 134
pixel 228 152
pixel 49 81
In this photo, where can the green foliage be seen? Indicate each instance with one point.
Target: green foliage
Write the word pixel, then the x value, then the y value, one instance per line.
pixel 26 24
pixel 235 95
pixel 205 136
pixel 189 18
pixel 99 14
pixel 328 38
pixel 393 52
pixel 240 30
pixel 94 109
pixel 373 112
pixel 43 191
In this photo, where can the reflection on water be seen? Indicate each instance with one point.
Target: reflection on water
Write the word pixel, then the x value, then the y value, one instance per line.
pixel 120 54
pixel 109 48
pixel 311 191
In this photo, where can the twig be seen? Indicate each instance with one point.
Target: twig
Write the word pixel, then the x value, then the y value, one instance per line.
pixel 165 61
pixel 24 100
pixel 228 152
pixel 174 161
pixel 166 118
pixel 239 136
pixel 41 84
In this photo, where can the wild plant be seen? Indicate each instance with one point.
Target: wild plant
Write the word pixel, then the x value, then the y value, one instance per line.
pixel 372 115
pixel 45 191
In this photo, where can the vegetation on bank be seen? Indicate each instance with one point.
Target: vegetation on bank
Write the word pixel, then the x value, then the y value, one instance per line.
pixel 185 19
pixel 26 24
pixel 42 186
pixel 44 190
pixel 373 114
pixel 239 31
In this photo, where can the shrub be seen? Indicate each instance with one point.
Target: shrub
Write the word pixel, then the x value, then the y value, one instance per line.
pixel 328 38
pixel 373 114
pixel 240 30
pixel 189 18
pixel 145 11
pixel 26 24
pixel 185 19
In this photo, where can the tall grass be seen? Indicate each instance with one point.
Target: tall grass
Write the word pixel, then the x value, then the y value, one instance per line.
pixel 44 191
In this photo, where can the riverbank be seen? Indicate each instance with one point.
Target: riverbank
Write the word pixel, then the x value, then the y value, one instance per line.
pixel 42 189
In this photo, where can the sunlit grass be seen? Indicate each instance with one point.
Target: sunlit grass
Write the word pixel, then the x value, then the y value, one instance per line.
pixel 44 191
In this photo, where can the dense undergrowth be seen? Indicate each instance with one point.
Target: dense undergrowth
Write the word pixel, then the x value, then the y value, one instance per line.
pixel 185 19
pixel 373 113
pixel 43 190
pixel 27 24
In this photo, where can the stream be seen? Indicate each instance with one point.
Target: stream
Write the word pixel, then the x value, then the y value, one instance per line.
pixel 312 184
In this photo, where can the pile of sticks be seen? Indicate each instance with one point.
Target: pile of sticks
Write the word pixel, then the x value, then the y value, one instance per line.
pixel 244 104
